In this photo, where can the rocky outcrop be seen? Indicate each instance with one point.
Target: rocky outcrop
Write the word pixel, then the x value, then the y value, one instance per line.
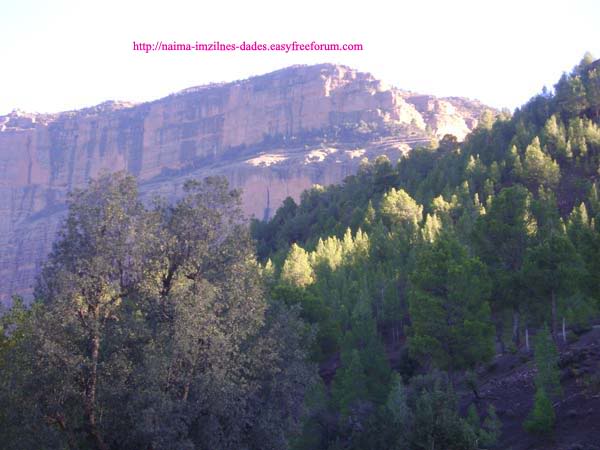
pixel 273 136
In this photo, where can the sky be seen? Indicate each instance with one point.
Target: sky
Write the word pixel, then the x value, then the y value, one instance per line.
pixel 69 54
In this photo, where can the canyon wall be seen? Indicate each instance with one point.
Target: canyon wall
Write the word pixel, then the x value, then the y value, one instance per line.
pixel 272 136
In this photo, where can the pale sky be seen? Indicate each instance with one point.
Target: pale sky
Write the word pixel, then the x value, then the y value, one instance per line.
pixel 68 54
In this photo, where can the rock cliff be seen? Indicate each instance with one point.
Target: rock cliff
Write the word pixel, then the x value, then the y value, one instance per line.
pixel 272 136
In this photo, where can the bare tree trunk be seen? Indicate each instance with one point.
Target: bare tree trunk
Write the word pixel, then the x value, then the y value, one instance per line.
pixel 554 320
pixel 516 335
pixel 499 333
pixel 564 330
pixel 527 338
pixel 90 389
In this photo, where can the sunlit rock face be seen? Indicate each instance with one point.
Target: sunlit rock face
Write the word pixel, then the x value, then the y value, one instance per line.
pixel 272 136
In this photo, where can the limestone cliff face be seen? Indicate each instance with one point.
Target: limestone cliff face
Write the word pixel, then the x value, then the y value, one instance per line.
pixel 273 136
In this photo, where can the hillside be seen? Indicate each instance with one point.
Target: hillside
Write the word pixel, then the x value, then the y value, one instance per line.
pixel 453 259
pixel 272 136
pixel 447 300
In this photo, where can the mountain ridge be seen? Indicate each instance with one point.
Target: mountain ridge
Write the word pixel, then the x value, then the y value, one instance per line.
pixel 271 135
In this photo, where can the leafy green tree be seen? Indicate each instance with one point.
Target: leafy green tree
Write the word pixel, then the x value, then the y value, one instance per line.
pixel 487 432
pixel 449 309
pixel 152 331
pixel 515 164
pixel 546 213
pixel 23 425
pixel 89 275
pixel 219 355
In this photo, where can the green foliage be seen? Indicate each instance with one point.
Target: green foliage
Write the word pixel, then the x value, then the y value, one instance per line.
pixel 546 361
pixel 398 208
pixel 424 415
pixel 449 307
pixel 315 312
pixel 542 417
pixel 491 429
pixel 157 328
pixel 553 270
pixel 539 169
pixel 350 383
pixel 297 270
pixel 459 234
pixel 153 331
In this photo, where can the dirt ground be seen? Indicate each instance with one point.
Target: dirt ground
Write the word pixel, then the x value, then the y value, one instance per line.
pixel 508 384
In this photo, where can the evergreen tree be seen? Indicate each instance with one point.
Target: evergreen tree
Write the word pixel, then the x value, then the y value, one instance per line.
pixel 424 415
pixel 542 417
pixel 593 91
pixel 399 208
pixel 538 168
pixel 546 361
pixel 372 353
pixel 501 237
pixel 553 270
pixel 449 308
pixel 350 383
pixel 297 270
pixel 571 95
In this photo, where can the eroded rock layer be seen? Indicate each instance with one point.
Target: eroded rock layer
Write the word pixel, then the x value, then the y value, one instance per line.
pixel 272 135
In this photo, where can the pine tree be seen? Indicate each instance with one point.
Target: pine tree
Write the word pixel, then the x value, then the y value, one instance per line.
pixel 369 219
pixel 556 137
pixel 538 168
pixel 449 308
pixel 542 417
pixel 431 228
pixel 399 208
pixel 571 95
pixel 593 91
pixel 515 164
pixel 350 383
pixel 546 361
pixel 501 237
pixel 297 270
pixel 553 270
pixel 372 353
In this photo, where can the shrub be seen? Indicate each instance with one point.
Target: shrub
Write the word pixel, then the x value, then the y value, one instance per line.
pixel 541 418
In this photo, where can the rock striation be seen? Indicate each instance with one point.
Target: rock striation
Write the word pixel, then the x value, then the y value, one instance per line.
pixel 272 136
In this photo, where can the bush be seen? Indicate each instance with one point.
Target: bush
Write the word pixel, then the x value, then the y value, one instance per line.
pixel 541 418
